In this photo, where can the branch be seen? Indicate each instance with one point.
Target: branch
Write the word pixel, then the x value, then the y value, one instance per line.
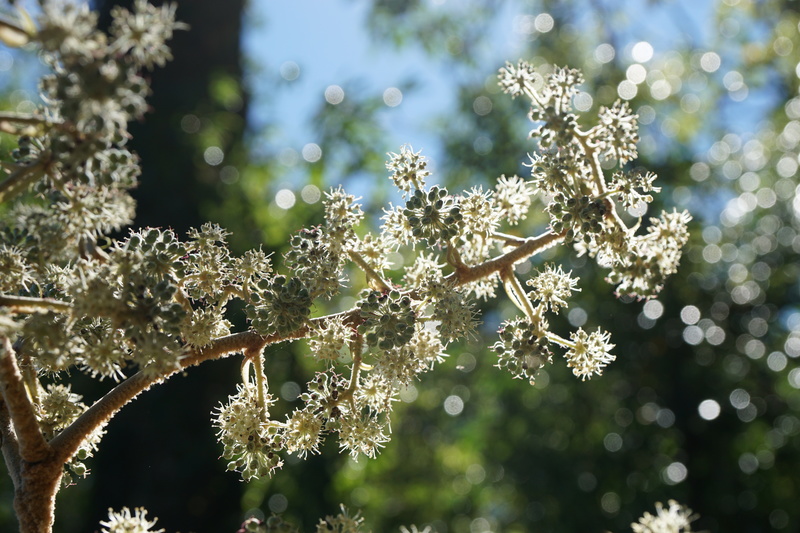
pixel 510 240
pixel 66 443
pixel 9 444
pixel 529 247
pixel 594 160
pixel 32 445
pixel 516 293
pixel 25 304
pixel 29 124
pixel 19 180
pixel 382 285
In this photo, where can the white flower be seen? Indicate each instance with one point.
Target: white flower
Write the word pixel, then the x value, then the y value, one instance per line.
pixel 675 519
pixel 590 353
pixel 409 169
pixel 125 522
pixel 512 198
pixel 552 287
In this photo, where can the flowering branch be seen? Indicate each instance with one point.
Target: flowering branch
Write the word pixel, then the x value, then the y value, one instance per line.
pixel 157 303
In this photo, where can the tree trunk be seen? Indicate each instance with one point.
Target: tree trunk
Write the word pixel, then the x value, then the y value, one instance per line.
pixel 35 497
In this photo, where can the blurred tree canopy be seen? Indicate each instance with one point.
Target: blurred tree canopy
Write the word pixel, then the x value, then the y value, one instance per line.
pixel 703 402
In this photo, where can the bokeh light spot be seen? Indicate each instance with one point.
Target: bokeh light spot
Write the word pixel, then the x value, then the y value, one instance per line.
pixel 310 194
pixel 190 123
pixel 709 409
pixel 392 96
pixel 636 73
pixel 482 105
pixel 453 405
pixel 710 62
pixel 213 155
pixel 642 52
pixel 604 53
pixel 690 314
pixel 675 473
pixel 334 94
pixel 312 152
pixel 277 503
pixel 627 90
pixel 290 71
pixel 653 309
pixel 543 22
pixel 613 442
pixel 285 199
pixel 610 503
pixel 583 101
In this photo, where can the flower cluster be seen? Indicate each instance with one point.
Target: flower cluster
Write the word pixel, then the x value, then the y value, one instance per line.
pixel 251 441
pixel 433 216
pixel 552 287
pixel 571 169
pixel 523 348
pixel 387 319
pixel 674 519
pixel 589 353
pixel 409 169
pixel 312 260
pixel 125 522
pixel 281 306
pixel 56 409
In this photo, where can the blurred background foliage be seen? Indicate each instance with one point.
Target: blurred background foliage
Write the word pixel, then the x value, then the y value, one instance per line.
pixel 703 402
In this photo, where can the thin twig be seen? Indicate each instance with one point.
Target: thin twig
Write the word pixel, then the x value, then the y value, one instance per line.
pixel 531 246
pixel 517 294
pixel 511 240
pixel 372 275
pixel 26 304
pixel 19 180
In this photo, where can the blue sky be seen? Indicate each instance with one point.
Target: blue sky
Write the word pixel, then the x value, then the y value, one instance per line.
pixel 330 43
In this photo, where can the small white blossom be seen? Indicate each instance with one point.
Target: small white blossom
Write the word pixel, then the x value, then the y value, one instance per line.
pixel 590 353
pixel 396 230
pixel 329 340
pixel 249 438
pixel 409 169
pixel 515 79
pixel 552 287
pixel 512 198
pixel 362 435
pixel 303 432
pixel 342 214
pixel 675 519
pixel 125 522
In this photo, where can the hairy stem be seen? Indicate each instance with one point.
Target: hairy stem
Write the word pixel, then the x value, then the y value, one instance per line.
pixel 20 179
pixel 511 240
pixel 32 445
pixel 561 341
pixel 529 247
pixel 372 275
pixel 356 345
pixel 261 380
pixel 9 444
pixel 25 304
pixel 517 294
